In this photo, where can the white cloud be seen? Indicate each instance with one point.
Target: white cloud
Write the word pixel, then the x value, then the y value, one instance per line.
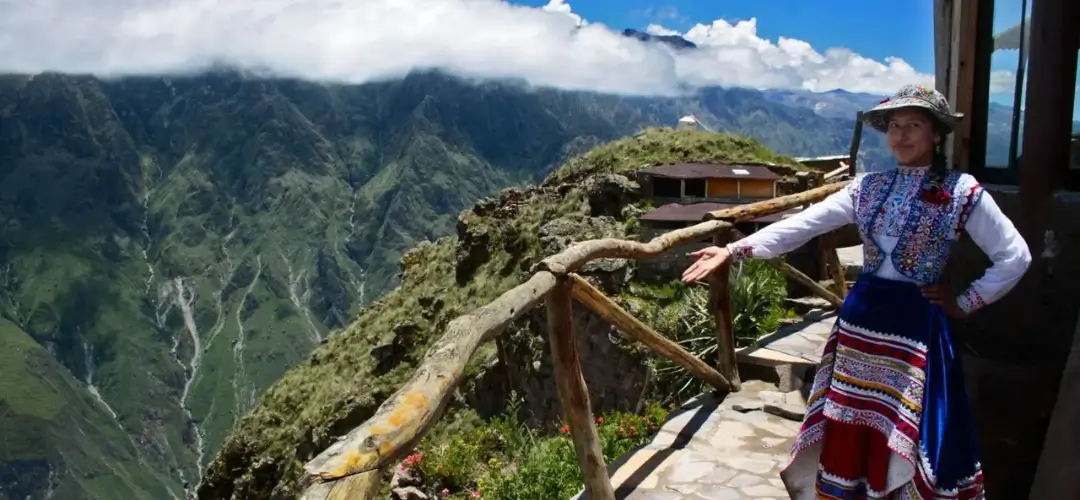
pixel 1002 82
pixel 364 40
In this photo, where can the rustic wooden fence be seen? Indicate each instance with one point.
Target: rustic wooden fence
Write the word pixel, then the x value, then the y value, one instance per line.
pixel 352 467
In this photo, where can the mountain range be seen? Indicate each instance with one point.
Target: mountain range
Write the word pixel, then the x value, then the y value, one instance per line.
pixel 169 247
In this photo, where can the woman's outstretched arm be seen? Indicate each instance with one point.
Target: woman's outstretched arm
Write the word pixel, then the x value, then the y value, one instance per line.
pixel 777 239
pixel 793 232
pixel 996 235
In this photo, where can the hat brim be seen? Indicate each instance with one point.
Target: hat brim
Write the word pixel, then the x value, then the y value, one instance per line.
pixel 878 116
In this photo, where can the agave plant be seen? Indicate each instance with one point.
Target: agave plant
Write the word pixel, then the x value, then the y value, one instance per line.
pixel 757 299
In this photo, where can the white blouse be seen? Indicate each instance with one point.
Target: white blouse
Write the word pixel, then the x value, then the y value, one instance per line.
pixel 988 227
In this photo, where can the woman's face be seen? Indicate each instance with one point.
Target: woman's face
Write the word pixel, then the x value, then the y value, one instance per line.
pixel 911 137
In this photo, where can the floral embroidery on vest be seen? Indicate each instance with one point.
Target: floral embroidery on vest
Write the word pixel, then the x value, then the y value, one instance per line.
pixel 889 205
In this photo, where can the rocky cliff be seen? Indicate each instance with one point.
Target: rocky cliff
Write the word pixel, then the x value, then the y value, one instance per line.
pixel 497 243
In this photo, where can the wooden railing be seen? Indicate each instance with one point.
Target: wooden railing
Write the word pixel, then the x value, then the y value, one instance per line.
pixel 351 468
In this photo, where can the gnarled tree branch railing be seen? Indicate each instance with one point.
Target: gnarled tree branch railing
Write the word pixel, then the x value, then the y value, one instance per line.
pixel 351 467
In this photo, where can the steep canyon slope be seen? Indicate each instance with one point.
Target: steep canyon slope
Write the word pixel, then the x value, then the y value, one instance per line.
pixel 170 247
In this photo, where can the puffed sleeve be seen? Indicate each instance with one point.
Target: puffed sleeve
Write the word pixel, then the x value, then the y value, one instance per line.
pixel 995 234
pixel 781 237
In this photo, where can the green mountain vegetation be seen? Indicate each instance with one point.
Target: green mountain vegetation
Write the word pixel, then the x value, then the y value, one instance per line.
pixel 173 246
pixel 497 242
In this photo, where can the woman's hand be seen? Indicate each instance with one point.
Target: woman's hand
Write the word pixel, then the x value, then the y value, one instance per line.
pixel 708 260
pixel 942 296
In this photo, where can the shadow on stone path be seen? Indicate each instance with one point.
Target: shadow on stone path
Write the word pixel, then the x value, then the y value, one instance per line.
pixel 715 450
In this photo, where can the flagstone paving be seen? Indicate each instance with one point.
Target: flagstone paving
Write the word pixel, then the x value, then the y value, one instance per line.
pixel 733 447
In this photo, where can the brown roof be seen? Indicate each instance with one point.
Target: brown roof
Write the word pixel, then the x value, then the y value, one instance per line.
pixel 703 170
pixel 695 211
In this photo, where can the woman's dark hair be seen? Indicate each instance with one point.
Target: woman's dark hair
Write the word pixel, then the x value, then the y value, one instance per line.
pixel 939 166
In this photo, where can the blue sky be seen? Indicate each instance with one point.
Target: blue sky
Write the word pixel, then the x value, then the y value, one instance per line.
pixel 875 29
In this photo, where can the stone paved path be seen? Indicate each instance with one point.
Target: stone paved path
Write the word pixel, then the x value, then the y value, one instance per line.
pixel 734 448
pixel 715 450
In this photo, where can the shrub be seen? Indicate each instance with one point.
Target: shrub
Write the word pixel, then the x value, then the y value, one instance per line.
pixel 682 313
pixel 504 460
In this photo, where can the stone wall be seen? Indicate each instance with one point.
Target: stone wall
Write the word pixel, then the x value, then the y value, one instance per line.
pixel 1014 350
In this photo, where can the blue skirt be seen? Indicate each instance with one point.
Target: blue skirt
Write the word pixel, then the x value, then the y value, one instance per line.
pixel 888 415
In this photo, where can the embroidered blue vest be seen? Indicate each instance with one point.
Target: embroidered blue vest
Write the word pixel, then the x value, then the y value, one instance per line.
pixel 929 231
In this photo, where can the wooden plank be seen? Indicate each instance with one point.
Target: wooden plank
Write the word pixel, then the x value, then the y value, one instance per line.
pixel 589 296
pixel 574 395
pixel 798 276
pixel 752 211
pixel 720 305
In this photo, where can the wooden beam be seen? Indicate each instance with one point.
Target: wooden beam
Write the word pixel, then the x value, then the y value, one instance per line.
pixel 720 306
pixel 962 78
pixel 579 254
pixel 618 317
pixel 574 395
pixel 752 211
pixel 798 276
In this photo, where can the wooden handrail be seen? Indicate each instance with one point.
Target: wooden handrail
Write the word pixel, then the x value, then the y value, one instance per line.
pixel 751 211
pixel 348 467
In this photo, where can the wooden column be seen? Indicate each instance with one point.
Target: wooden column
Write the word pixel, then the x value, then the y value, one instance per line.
pixel 574 395
pixel 962 45
pixel 1048 110
pixel 1047 129
pixel 720 305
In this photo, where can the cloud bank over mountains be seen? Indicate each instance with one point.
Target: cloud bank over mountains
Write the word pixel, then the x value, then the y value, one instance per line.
pixel 353 41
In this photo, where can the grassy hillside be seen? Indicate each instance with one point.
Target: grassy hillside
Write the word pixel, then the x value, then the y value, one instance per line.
pixel 498 241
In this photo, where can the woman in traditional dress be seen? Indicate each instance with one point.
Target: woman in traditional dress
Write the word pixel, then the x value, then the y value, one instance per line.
pixel 889 416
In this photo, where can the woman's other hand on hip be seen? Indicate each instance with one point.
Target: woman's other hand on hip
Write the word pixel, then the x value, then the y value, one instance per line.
pixel 943 296
pixel 708 260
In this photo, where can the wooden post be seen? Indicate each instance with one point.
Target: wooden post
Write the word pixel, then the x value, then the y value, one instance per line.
pixel 856 138
pixel 574 395
pixel 831 258
pixel 606 308
pixel 720 305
